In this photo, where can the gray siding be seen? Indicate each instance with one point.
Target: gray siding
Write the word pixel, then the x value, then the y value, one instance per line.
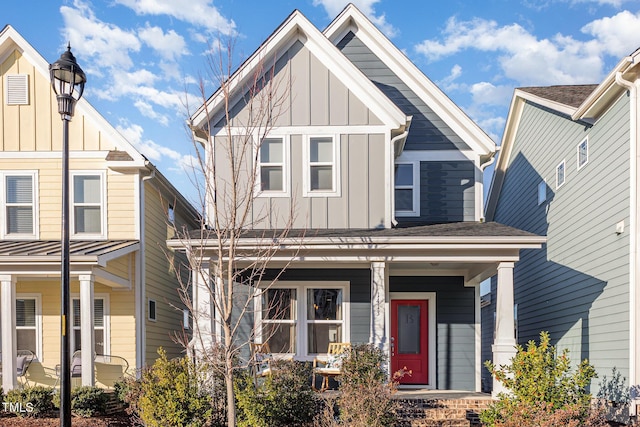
pixel 455 318
pixel 428 131
pixel 577 287
pixel 447 193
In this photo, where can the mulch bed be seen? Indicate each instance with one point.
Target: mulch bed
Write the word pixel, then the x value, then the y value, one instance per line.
pixel 115 420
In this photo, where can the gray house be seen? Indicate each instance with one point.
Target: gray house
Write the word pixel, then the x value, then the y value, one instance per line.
pixel 384 174
pixel 568 169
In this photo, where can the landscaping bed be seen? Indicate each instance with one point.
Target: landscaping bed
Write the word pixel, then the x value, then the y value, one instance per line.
pixel 114 420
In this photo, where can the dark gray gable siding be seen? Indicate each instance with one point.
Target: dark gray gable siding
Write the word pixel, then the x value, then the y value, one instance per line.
pixel 360 295
pixel 577 287
pixel 447 193
pixel 428 131
pixel 455 318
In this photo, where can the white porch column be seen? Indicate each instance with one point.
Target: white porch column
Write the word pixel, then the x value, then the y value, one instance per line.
pixel 504 345
pixel 379 280
pixel 202 309
pixel 87 333
pixel 9 341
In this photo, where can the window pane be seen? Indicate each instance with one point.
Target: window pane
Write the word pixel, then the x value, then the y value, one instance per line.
pixel 321 334
pixel 86 189
pixel 88 219
pixel 404 199
pixel 19 189
pixel 77 336
pixel 324 304
pixel 404 174
pixel 26 312
pixel 321 178
pixel 26 339
pixel 76 312
pixel 271 150
pixel 278 304
pixel 98 313
pixel 99 341
pixel 280 336
pixel 20 219
pixel 271 178
pixel 408 329
pixel 321 149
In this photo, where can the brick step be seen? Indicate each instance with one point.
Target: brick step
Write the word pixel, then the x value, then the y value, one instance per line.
pixel 435 423
pixel 440 413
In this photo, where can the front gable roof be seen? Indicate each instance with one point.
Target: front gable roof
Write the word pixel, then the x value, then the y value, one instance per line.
pixel 11 40
pixel 298 28
pixel 352 20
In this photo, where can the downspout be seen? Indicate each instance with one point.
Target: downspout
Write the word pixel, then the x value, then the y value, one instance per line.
pixel 140 296
pixel 634 139
pixel 394 140
pixel 483 166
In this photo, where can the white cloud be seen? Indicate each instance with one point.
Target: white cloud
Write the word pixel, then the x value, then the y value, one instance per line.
pixel 489 94
pixel 196 12
pixel 147 110
pixel 528 60
pixel 106 45
pixel 169 45
pixel 334 7
pixel 616 35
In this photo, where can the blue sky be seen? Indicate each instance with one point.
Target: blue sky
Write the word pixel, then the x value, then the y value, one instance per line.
pixel 143 58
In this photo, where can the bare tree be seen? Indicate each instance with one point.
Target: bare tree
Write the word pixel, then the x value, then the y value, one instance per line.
pixel 238 239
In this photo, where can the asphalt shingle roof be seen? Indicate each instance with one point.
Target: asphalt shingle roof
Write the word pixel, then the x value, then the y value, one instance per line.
pixel 571 95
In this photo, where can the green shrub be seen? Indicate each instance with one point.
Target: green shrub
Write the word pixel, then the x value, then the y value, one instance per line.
pixel 539 377
pixel 86 401
pixel 169 394
pixel 365 396
pixel 30 402
pixel 284 398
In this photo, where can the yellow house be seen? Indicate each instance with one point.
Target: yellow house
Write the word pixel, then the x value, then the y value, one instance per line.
pixel 122 211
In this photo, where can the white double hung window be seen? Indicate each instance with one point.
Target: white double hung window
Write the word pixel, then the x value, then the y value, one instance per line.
pixel 302 319
pixel 560 174
pixel 406 191
pixel 583 153
pixel 273 164
pixel 27 323
pixel 19 204
pixel 321 161
pixel 89 216
pixel 100 323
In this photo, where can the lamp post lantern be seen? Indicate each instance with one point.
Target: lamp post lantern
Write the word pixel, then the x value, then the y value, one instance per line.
pixel 67 80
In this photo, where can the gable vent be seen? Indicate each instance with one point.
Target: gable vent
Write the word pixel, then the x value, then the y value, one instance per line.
pixel 18 89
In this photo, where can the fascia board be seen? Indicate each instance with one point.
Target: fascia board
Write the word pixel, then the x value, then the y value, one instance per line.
pixel 553 105
pixel 606 91
pixel 10 39
pixel 298 27
pixel 352 19
pixel 504 156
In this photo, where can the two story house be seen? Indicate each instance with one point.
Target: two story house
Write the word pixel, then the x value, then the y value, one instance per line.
pixel 568 169
pixel 383 173
pixel 124 289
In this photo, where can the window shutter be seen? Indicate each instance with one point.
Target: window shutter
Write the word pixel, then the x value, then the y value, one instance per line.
pixel 17 89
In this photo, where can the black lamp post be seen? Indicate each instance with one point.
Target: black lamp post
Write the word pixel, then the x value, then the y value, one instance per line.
pixel 68 80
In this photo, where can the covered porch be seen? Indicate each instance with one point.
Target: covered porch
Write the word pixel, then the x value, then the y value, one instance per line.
pixel 357 285
pixel 102 275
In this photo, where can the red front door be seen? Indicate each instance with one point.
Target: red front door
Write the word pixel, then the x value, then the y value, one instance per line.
pixel 409 340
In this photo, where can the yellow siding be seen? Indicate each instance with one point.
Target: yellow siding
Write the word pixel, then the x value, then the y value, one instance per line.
pixel 122 199
pixel 161 283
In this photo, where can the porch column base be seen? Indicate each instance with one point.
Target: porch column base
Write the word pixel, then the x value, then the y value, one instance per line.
pixel 502 355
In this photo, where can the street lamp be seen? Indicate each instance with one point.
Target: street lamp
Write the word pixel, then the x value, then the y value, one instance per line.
pixel 67 80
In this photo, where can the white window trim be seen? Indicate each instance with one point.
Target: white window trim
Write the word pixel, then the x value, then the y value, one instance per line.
pixel 155 310
pixel 564 167
pixel 306 165
pixel 580 166
pixel 542 186
pixel 3 203
pixel 286 169
pixel 103 205
pixel 415 188
pixel 301 288
pixel 38 299
pixel 106 320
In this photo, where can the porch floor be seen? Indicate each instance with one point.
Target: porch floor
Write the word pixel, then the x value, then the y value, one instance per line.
pixel 410 393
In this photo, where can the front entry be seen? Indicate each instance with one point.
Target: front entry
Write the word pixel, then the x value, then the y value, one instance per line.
pixel 409 340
